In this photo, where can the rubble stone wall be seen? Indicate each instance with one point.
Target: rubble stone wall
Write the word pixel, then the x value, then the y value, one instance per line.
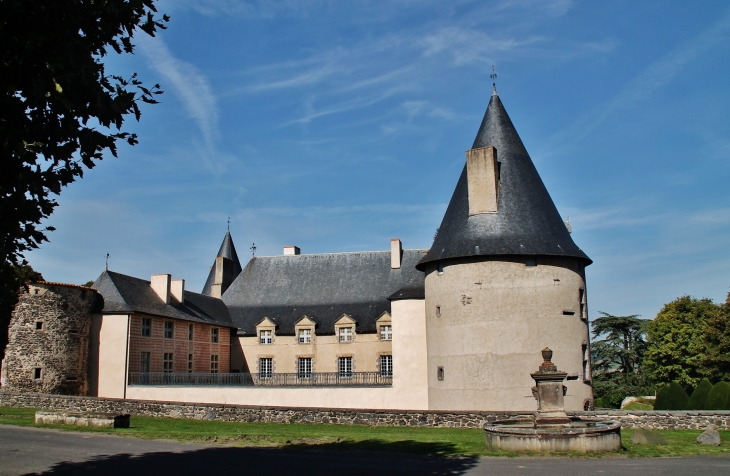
pixel 664 420
pixel 48 339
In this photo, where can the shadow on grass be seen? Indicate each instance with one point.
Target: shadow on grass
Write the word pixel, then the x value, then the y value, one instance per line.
pixel 362 458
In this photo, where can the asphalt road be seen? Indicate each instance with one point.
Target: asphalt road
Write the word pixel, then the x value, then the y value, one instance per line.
pixel 40 451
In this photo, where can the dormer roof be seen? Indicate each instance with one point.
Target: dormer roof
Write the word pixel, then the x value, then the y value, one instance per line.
pixel 527 221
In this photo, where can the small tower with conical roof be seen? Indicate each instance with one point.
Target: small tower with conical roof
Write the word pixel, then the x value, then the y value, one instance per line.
pixel 224 270
pixel 504 279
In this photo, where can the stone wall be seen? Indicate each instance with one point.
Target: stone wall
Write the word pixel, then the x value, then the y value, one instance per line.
pixel 48 339
pixel 665 420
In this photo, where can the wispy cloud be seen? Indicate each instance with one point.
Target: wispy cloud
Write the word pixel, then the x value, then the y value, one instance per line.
pixel 653 77
pixel 193 89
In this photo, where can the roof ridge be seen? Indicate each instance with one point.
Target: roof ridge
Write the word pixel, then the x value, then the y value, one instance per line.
pixel 339 253
pixel 67 285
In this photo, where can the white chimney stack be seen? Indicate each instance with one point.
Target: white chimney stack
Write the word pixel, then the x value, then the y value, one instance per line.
pixel 396 253
pixel 292 250
pixel 160 284
pixel 177 289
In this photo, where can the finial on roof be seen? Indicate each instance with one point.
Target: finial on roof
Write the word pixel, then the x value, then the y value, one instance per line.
pixel 253 249
pixel 494 80
pixel 107 262
pixel 229 223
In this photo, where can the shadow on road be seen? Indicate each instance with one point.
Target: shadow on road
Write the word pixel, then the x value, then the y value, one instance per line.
pixel 379 458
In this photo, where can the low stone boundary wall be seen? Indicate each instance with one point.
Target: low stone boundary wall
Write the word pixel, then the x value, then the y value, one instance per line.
pixel 660 420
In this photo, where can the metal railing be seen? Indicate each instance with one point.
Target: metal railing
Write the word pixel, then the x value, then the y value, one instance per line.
pixel 314 379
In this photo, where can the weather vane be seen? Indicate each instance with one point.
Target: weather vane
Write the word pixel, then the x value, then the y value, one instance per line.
pixel 229 223
pixel 107 261
pixel 494 79
pixel 253 249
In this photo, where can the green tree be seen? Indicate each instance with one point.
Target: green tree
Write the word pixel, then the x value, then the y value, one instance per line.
pixel 716 362
pixel 59 109
pixel 12 277
pixel 676 341
pixel 617 358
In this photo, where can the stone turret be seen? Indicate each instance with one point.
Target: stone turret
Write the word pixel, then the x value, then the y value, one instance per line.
pixel 225 269
pixel 48 348
pixel 503 277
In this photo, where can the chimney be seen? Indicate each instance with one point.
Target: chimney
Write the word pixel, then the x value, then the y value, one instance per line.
pixel 482 180
pixel 292 250
pixel 224 269
pixel 161 285
pixel 177 289
pixel 396 253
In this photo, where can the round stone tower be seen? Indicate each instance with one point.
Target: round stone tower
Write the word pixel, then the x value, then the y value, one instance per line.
pixel 503 279
pixel 48 339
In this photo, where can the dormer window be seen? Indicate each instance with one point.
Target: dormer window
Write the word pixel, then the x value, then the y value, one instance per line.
pixel 345 334
pixel 386 332
pixel 266 337
pixel 305 336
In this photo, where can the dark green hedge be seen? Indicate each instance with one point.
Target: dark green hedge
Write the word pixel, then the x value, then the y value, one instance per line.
pixel 719 397
pixel 699 396
pixel 671 397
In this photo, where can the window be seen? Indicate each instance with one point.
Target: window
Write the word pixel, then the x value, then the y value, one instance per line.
pixel 438 311
pixel 266 367
pixel 304 367
pixel 214 364
pixel 440 373
pixel 582 301
pixel 265 337
pixel 39 326
pixel 190 363
pixel 37 373
pixel 344 367
pixel 441 268
pixel 167 362
pixel 144 362
pixel 191 328
pixel 214 333
pixel 146 327
pixel 386 365
pixel 345 334
pixel 169 329
pixel 531 262
pixel 305 336
pixel 386 333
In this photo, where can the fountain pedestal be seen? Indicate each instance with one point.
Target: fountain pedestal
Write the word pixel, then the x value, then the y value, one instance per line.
pixel 551 429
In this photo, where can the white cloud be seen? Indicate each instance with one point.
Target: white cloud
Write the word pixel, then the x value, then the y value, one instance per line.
pixel 194 91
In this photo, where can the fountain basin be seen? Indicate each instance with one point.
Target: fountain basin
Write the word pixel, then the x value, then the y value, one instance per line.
pixel 582 436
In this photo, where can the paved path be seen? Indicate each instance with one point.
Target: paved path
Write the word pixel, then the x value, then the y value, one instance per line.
pixel 41 451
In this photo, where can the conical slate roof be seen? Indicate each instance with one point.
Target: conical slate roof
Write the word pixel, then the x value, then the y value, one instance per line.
pixel 527 222
pixel 227 251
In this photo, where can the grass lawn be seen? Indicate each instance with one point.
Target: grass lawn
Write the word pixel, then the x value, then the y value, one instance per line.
pixel 638 406
pixel 439 441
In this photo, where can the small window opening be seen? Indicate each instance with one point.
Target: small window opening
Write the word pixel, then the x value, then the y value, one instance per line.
pixel 190 331
pixel 438 311
pixel 440 373
pixel 169 329
pixel 568 312
pixel 146 327
pixel 73 331
pixel 37 373
pixel 214 364
pixel 441 268
pixel 39 326
pixel 190 363
pixel 71 378
pixel 531 262
pixel 214 335
pixel 36 291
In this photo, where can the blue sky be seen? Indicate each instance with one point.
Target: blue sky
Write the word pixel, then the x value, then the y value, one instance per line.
pixel 336 126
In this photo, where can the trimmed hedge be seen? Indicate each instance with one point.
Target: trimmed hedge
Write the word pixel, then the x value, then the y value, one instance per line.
pixel 671 397
pixel 719 397
pixel 699 396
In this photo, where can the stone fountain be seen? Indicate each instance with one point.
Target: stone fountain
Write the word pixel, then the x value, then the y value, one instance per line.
pixel 551 429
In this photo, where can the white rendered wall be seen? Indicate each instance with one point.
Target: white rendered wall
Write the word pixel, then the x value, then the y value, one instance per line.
pixel 495 317
pixel 109 342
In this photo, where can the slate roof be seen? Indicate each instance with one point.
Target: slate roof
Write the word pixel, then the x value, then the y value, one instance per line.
pixel 227 250
pixel 125 294
pixel 321 286
pixel 527 222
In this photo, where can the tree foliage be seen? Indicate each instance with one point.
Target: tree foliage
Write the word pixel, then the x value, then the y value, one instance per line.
pixel 59 109
pixel 719 397
pixel 617 358
pixel 716 361
pixel 699 396
pixel 677 347
pixel 671 397
pixel 12 277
